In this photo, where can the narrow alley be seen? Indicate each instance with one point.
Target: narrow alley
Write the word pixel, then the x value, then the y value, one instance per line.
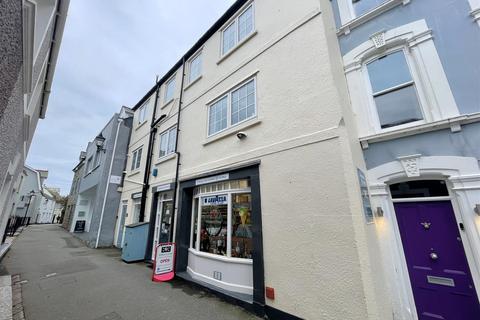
pixel 63 279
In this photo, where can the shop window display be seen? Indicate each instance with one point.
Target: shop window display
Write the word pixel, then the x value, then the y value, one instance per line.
pixel 221 222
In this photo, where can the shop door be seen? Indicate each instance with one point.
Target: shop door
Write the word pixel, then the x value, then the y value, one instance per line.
pixel 164 222
pixel 439 274
pixel 122 215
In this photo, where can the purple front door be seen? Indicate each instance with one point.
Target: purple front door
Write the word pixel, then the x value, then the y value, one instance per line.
pixel 439 274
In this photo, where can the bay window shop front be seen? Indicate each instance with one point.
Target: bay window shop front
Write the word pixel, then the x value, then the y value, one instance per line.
pixel 222 248
pixel 222 235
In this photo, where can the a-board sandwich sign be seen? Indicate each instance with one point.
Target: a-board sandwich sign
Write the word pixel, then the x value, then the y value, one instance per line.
pixel 164 263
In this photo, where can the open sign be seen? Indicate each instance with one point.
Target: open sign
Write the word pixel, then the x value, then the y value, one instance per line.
pixel 163 268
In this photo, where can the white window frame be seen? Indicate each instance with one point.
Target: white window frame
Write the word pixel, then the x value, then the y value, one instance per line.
pixel 234 20
pixel 169 81
pixel 349 19
pixel 373 107
pixel 190 61
pixel 97 158
pixel 133 164
pixel 89 165
pixel 167 133
pixel 229 107
pixel 433 90
pixel 475 13
pixel 197 197
pixel 142 112
pixel 163 197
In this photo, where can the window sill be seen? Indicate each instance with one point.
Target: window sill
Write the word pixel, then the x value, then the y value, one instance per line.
pixel 475 13
pixel 133 173
pixel 140 125
pixel 384 7
pixel 166 158
pixel 232 130
pixel 192 83
pixel 453 123
pixel 167 103
pixel 236 47
pixel 220 258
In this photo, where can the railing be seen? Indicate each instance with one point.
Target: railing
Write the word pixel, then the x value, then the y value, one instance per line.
pixel 13 224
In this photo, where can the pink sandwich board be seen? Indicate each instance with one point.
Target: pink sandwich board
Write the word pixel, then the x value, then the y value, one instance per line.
pixel 164 263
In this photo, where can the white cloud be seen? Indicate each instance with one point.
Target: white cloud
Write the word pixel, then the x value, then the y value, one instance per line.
pixel 110 54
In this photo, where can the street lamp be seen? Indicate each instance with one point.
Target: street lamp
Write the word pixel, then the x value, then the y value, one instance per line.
pixel 30 196
pixel 99 142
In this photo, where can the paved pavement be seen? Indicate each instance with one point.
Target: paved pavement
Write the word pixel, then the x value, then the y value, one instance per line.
pixel 66 280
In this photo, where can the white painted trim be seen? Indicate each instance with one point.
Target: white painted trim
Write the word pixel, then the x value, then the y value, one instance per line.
pixel 455 124
pixel 433 90
pixel 234 20
pixel 425 199
pixel 44 32
pixel 462 175
pixel 350 20
pixel 222 284
pixel 475 13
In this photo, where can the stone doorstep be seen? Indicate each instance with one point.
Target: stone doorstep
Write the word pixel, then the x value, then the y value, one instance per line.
pixel 5 298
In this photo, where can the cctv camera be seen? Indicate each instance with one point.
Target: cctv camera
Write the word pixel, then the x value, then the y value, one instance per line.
pixel 241 135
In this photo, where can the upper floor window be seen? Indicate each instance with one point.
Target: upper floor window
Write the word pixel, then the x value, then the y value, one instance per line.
pixel 239 29
pixel 169 89
pixel 195 67
pixel 236 106
pixel 167 141
pixel 142 112
pixel 89 164
pixel 98 156
pixel 394 90
pixel 363 6
pixel 398 82
pixel 136 159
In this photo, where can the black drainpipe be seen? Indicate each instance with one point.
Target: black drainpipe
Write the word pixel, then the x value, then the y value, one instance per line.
pixel 151 140
pixel 175 185
pixel 153 216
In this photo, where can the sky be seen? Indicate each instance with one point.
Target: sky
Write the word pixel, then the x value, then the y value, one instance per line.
pixel 110 55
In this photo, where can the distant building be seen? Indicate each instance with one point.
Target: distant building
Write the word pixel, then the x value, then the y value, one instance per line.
pixel 30 38
pixel 94 216
pixel 29 195
pixel 45 213
pixel 72 197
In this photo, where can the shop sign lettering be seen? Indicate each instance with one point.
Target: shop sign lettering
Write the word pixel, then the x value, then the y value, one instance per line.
pixel 215 200
pixel 220 177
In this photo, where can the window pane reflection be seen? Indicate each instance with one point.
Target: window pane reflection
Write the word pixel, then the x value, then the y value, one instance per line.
pixel 398 107
pixel 213 234
pixel 241 226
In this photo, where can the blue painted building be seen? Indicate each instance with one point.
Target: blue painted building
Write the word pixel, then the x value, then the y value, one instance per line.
pixel 413 74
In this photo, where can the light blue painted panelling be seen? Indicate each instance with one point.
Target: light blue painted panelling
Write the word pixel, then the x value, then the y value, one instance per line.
pixel 465 143
pixel 456 36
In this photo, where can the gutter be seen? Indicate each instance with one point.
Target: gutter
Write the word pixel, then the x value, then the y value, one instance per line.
pixel 58 28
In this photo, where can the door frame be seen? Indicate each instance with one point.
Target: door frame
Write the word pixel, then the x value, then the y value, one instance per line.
pixel 462 177
pixel 158 216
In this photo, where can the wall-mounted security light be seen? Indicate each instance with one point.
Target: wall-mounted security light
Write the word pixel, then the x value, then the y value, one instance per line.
pixel 241 135
pixel 477 209
pixel 379 212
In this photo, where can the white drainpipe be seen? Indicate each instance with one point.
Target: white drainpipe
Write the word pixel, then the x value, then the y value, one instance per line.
pixel 108 183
